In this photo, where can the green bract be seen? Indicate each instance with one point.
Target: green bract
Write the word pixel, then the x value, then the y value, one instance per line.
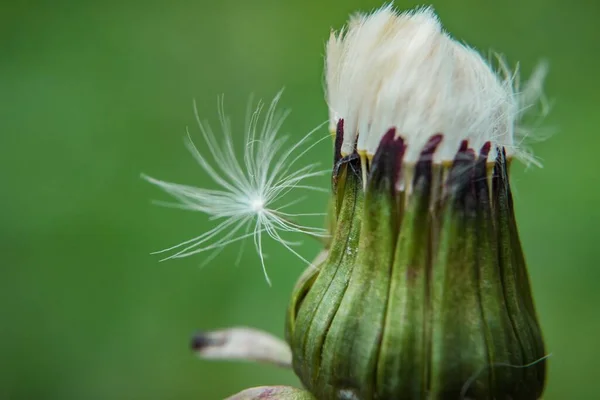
pixel 424 293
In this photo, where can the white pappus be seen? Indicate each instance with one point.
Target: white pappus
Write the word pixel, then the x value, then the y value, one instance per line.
pixel 250 198
pixel 403 70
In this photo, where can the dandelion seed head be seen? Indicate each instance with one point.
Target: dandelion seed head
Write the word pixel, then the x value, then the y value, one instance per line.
pixel 401 70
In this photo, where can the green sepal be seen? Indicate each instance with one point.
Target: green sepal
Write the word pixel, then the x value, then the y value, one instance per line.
pixel 458 343
pixel 320 305
pixel 403 357
pixel 517 290
pixel 352 344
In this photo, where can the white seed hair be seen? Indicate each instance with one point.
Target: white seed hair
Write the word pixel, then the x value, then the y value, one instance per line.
pixel 401 70
pixel 251 190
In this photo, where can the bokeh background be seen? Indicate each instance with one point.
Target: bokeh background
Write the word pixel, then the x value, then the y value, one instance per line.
pixel 93 93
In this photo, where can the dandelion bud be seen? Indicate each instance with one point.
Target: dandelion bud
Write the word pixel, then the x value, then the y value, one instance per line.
pixel 424 293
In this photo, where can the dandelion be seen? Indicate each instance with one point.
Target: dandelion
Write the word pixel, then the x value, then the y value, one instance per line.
pixel 422 290
pixel 433 301
pixel 250 200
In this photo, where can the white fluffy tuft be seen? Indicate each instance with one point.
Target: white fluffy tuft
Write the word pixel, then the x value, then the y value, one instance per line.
pixel 401 70
pixel 250 189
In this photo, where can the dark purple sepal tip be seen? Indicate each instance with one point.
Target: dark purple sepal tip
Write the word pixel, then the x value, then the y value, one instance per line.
pixel 423 168
pixel 481 164
pixel 485 150
pixel 387 162
pixel 480 176
pixel 339 139
pixel 351 161
pixel 460 184
pixel 431 145
pixel 460 171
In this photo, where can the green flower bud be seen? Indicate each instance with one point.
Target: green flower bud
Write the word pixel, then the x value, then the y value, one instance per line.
pixel 424 293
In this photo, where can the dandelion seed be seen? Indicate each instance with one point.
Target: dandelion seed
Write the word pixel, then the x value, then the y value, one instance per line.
pixel 250 191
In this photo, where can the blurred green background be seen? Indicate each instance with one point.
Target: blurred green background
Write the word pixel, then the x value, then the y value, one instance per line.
pixel 94 93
